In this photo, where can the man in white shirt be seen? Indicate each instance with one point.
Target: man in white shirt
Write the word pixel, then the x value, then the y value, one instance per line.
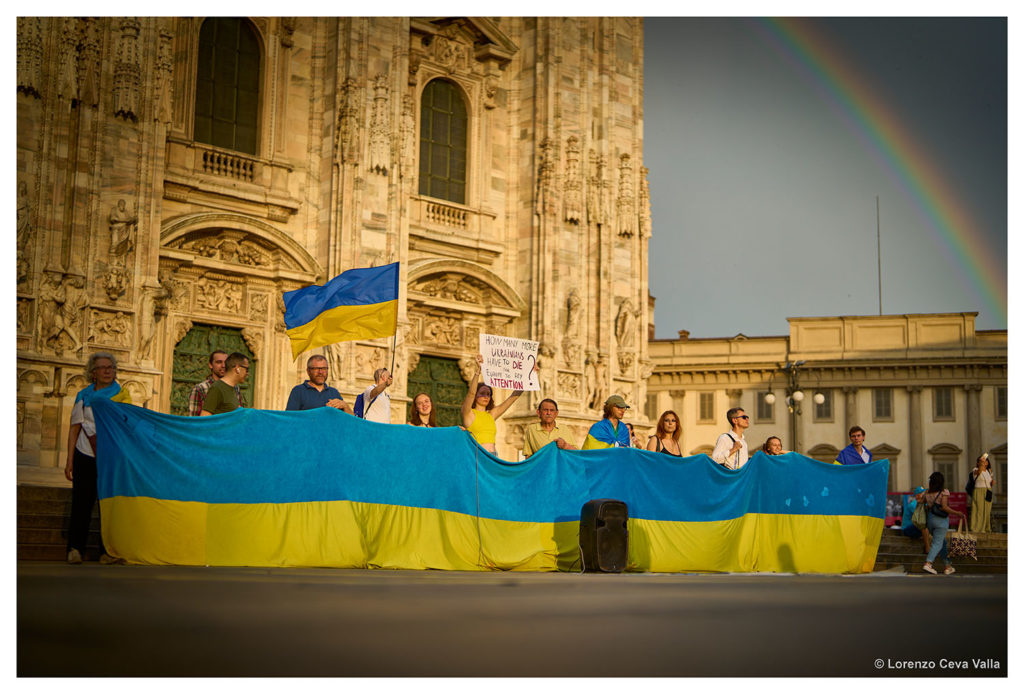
pixel 731 448
pixel 376 401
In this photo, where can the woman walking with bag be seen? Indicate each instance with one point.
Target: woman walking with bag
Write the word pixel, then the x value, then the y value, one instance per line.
pixel 936 500
pixel 981 496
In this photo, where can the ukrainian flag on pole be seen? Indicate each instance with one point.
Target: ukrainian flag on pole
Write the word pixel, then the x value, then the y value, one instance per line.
pixel 356 305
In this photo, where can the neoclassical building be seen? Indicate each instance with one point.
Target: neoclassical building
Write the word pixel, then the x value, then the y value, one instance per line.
pixel 929 390
pixel 176 176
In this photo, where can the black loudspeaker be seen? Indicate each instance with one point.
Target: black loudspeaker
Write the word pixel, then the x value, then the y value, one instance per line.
pixel 604 539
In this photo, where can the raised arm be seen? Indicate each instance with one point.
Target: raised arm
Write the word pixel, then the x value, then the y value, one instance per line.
pixel 509 401
pixel 467 403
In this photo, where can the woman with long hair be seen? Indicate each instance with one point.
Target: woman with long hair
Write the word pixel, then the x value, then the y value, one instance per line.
pixel 772 446
pixel 80 467
pixel 666 435
pixel 981 497
pixel 936 500
pixel 422 414
pixel 479 412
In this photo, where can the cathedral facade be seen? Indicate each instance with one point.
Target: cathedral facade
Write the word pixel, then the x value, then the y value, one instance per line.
pixel 176 176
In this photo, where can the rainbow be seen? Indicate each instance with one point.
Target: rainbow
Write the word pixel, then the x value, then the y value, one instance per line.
pixel 957 233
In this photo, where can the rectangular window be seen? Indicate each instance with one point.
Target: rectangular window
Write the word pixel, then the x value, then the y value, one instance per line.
pixel 651 407
pixel 823 412
pixel 1001 403
pixel 706 412
pixel 942 404
pixel 883 405
pixel 765 410
pixel 948 469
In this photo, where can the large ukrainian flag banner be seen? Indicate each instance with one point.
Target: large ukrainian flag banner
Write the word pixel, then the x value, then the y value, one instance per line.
pixel 356 305
pixel 322 488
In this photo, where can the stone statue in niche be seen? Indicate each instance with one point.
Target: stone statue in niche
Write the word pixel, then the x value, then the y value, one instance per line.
pixel 24 231
pixel 572 313
pixel 546 369
pixel 625 325
pixel 123 225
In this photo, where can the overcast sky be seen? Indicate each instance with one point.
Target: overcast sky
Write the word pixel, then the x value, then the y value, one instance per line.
pixel 767 145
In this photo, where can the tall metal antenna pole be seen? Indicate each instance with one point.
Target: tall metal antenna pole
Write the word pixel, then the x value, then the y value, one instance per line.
pixel 878 228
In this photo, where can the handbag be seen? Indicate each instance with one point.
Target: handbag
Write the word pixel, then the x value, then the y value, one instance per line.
pixel 970 484
pixel 988 495
pixel 963 544
pixel 920 516
pixel 936 507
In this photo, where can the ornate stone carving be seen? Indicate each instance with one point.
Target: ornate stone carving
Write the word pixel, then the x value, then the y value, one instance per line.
pixel 573 204
pixel 547 196
pixel 164 90
pixel 259 306
pixel 62 300
pixel 154 308
pixel 597 190
pixel 369 359
pixel 514 434
pixel 127 71
pixel 380 127
pixel 645 204
pixel 467 367
pixel 446 53
pixel 490 92
pixel 348 120
pixel 219 295
pixel 569 385
pixel 229 248
pixel 407 135
pixel 455 286
pixel 288 25
pixel 89 63
pixel 67 75
pixel 646 369
pixel 626 325
pixel 24 316
pixel 442 330
pixel 115 282
pixel 181 328
pixel 111 328
pixel 30 56
pixel 571 351
pixel 175 294
pixel 472 338
pixel 626 363
pixel 253 340
pixel 413 360
pixel 25 232
pixel 279 324
pixel 624 209
pixel 124 224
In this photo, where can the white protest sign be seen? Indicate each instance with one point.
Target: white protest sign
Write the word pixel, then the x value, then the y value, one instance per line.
pixel 509 362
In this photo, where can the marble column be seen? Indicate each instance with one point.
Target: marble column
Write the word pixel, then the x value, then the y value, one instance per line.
pixel 916 436
pixel 850 406
pixel 974 442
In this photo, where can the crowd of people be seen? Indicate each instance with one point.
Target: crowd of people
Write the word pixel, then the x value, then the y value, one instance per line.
pixel 221 392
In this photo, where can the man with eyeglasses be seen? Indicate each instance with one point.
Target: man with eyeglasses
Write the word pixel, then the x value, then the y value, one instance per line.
pixel 731 448
pixel 222 396
pixel 315 392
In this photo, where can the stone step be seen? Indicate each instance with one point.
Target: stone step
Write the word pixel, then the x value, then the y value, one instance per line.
pixel 53 536
pixel 962 567
pixel 31 491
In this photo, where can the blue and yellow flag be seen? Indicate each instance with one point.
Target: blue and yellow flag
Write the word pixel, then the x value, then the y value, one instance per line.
pixel 356 305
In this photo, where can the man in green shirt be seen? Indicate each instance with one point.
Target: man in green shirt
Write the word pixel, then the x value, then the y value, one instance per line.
pixel 222 396
pixel 547 431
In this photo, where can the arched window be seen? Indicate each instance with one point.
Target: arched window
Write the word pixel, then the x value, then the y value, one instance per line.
pixel 443 137
pixel 227 84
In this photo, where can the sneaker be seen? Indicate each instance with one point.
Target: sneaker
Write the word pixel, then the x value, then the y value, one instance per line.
pixel 107 559
pixel 929 569
pixel 74 557
pixel 949 570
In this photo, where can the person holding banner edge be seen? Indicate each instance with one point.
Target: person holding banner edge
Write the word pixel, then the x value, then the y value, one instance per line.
pixel 479 411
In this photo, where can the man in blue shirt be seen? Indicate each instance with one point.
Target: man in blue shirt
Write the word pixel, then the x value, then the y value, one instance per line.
pixel 855 453
pixel 315 392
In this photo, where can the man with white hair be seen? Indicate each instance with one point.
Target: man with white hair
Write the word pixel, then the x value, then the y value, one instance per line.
pixel 376 401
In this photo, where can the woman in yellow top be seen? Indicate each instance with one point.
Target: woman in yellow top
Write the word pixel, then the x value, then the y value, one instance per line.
pixel 479 410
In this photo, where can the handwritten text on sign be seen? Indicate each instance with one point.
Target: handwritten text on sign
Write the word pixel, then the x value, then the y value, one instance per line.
pixel 509 362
